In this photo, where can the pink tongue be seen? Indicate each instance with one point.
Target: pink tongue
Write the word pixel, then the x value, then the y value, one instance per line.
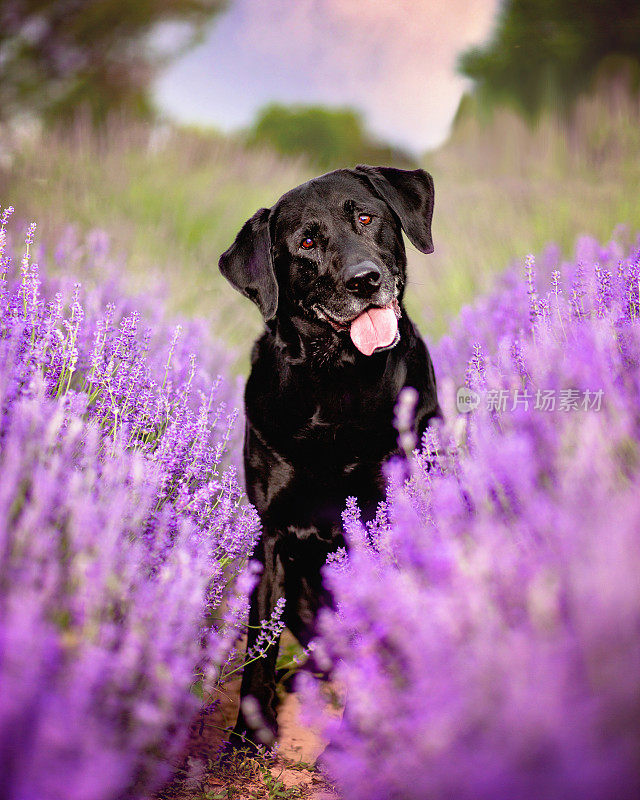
pixel 377 327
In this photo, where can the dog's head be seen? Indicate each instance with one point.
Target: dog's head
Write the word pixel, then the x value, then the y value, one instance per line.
pixel 329 255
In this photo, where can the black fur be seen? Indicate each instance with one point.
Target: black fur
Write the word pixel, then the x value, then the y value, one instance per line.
pixel 319 412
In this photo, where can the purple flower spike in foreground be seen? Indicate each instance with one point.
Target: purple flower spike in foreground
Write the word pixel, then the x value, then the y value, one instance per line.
pixel 487 629
pixel 123 538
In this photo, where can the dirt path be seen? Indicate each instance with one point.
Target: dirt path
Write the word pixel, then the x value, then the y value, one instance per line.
pixel 292 775
pixel 301 745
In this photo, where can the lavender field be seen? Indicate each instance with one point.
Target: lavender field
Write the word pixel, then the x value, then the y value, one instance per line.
pixel 488 622
pixel 487 627
pixel 480 638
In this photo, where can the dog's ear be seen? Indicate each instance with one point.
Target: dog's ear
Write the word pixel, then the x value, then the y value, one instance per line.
pixel 247 264
pixel 409 194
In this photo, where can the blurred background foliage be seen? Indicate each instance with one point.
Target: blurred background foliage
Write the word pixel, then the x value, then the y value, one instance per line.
pixel 330 137
pixel 546 53
pixel 516 173
pixel 60 55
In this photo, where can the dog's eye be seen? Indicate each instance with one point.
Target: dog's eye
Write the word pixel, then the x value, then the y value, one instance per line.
pixel 365 219
pixel 307 243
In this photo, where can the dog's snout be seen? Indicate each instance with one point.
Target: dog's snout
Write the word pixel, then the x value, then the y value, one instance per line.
pixel 362 279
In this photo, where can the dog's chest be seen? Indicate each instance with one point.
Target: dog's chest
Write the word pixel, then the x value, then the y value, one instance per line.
pixel 336 419
pixel 342 414
pixel 345 427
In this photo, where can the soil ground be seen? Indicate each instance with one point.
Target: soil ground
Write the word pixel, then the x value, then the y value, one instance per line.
pixel 291 775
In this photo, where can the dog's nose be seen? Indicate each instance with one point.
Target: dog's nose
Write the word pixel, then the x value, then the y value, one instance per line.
pixel 363 278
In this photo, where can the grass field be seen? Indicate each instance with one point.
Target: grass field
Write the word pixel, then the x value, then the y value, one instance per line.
pixel 504 190
pixel 172 200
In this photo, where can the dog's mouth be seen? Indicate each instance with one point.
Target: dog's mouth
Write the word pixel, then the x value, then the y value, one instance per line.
pixel 373 330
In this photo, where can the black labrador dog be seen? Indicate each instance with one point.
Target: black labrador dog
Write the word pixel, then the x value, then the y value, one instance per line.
pixel 326 266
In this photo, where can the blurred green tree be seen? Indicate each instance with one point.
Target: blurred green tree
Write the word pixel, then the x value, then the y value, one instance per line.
pixel 329 137
pixel 547 52
pixel 59 55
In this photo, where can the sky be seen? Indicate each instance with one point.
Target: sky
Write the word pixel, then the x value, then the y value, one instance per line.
pixel 394 60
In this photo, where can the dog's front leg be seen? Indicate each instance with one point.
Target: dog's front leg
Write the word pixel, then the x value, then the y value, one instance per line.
pixel 257 719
